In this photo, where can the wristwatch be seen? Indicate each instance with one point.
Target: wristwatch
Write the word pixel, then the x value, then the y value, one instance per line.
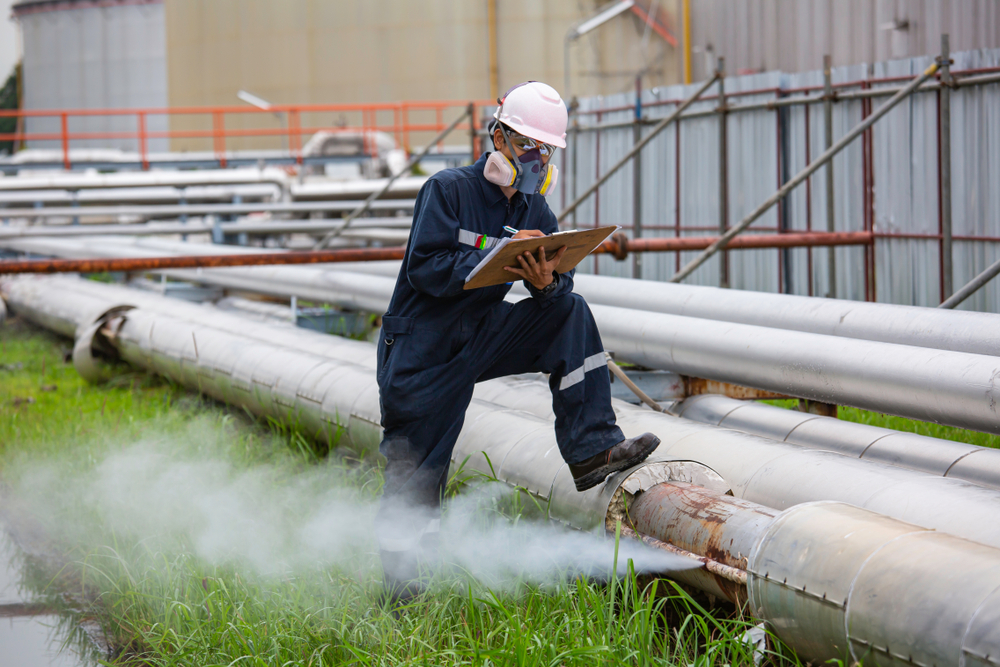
pixel 551 287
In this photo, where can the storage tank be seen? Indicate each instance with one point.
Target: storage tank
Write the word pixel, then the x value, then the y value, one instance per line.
pixel 89 54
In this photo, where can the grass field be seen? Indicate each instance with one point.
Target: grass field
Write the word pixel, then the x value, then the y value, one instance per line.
pixel 196 535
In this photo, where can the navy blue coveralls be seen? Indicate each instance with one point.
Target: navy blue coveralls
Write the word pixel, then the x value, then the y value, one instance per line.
pixel 438 340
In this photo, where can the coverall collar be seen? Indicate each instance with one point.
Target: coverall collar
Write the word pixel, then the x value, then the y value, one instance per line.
pixel 491 191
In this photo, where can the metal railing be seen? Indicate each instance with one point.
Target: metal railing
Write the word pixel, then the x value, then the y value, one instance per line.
pixel 593 139
pixel 401 120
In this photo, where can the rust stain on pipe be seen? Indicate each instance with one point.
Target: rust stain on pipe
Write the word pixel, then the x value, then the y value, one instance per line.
pixel 718 527
pixel 190 262
pixel 733 574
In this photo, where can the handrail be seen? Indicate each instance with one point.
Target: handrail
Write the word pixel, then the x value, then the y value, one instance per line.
pixel 401 124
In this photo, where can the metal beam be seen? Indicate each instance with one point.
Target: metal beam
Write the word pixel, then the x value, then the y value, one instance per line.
pixel 973 286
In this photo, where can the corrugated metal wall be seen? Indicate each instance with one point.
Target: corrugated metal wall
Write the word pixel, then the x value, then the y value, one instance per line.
pixel 95 56
pixel 793 35
pixel 894 192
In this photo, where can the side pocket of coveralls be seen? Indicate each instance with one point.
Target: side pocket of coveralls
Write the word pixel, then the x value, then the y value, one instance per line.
pixel 391 328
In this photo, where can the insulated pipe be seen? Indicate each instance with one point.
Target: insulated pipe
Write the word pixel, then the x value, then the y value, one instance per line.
pixel 978 465
pixel 933 598
pixel 946 387
pixel 174 211
pixel 202 227
pixel 840 583
pixel 958 331
pixel 954 388
pixel 175 178
pixel 760 470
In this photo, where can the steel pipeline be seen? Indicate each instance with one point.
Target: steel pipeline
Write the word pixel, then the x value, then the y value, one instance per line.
pixel 864 559
pixel 947 387
pixel 833 580
pixel 978 465
pixel 760 470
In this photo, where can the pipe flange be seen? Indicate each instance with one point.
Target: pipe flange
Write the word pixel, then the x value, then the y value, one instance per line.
pixel 621 245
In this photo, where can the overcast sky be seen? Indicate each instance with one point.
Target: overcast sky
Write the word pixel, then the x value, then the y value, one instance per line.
pixel 8 40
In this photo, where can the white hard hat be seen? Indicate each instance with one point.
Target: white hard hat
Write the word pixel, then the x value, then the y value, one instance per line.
pixel 535 110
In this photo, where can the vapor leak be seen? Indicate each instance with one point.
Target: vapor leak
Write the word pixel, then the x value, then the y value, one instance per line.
pixel 275 519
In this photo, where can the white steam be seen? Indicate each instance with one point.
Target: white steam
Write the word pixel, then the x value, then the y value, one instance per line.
pixel 270 520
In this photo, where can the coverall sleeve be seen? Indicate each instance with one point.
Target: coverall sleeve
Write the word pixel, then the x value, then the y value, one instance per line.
pixel 438 264
pixel 550 226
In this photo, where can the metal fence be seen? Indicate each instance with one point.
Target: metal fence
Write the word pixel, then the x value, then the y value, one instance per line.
pixel 887 181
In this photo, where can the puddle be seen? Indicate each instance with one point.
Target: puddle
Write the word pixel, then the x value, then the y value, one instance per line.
pixel 29 636
pixel 35 641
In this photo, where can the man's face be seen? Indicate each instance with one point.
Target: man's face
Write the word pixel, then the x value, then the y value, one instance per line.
pixel 502 146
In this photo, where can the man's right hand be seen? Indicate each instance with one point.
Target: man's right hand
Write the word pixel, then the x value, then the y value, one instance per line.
pixel 528 234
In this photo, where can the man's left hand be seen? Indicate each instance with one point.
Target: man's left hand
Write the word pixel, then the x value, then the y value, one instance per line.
pixel 537 272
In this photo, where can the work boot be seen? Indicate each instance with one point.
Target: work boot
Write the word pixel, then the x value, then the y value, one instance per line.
pixel 627 453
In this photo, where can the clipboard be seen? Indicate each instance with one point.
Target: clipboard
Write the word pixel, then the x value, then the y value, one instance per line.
pixel 578 244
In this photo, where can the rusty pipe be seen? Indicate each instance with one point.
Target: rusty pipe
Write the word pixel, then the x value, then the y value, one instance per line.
pixel 735 575
pixel 189 262
pixel 620 246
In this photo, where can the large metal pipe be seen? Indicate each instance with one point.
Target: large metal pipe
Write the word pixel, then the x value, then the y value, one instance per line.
pixel 958 331
pixel 953 388
pixel 174 178
pixel 838 582
pixel 959 460
pixel 178 210
pixel 830 578
pixel 760 470
pixel 204 226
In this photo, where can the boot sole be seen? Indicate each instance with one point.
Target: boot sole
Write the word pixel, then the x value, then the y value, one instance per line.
pixel 595 477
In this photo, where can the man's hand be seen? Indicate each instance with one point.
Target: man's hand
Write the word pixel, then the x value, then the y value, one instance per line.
pixel 528 234
pixel 538 273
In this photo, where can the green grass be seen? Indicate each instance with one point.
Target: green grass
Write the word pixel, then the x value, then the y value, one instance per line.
pixel 118 552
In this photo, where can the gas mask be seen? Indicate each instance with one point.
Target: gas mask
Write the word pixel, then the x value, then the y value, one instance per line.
pixel 527 174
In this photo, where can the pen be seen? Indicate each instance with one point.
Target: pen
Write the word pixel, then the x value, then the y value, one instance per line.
pixel 509 229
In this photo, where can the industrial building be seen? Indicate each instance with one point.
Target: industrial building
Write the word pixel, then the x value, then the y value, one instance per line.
pixel 808 209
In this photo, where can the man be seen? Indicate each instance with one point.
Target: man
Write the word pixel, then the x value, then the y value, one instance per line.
pixel 438 340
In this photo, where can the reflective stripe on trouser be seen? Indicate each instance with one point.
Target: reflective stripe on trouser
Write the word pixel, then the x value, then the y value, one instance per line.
pixel 426 381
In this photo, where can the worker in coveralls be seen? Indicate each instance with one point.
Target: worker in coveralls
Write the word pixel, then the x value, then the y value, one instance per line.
pixel 438 340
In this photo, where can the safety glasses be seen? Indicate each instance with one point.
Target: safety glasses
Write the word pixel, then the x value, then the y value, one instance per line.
pixel 524 144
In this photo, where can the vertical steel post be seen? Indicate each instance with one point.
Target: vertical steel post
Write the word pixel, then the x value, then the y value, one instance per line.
pixel 143 152
pixel 472 132
pixel 637 179
pixel 947 271
pixel 64 118
pixel 723 174
pixel 575 109
pixel 828 129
